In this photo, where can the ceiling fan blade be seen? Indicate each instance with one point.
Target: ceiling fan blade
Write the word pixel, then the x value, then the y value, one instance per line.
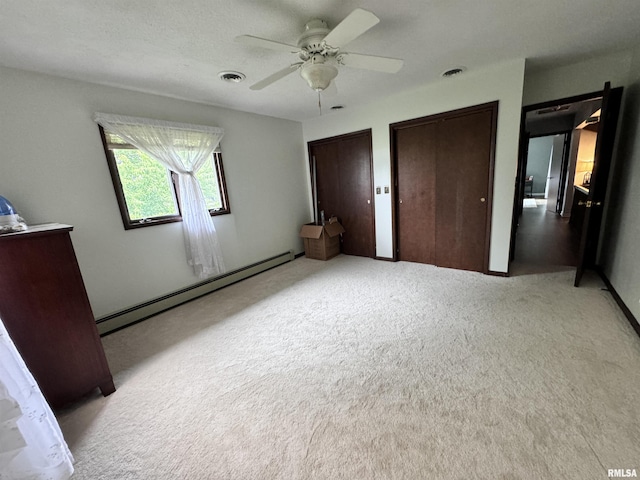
pixel 371 62
pixel 275 77
pixel 354 25
pixel 252 41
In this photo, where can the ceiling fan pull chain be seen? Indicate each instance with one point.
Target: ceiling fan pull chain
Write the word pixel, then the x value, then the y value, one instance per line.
pixel 319 103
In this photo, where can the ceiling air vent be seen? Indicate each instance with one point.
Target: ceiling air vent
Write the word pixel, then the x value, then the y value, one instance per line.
pixel 557 108
pixel 453 72
pixel 233 77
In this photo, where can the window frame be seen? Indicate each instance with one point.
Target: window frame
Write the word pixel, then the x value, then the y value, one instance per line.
pixel 222 186
pixel 130 224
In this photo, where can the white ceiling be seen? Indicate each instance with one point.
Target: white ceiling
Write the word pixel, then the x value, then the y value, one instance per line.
pixel 176 48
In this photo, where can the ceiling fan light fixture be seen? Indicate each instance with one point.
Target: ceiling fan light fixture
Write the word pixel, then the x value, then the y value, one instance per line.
pixel 318 75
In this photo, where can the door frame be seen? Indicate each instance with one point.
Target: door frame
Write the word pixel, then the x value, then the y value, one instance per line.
pixel 564 170
pixel 366 133
pixel 521 169
pixel 493 106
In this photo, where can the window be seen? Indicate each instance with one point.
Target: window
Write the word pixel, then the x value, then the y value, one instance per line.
pixel 214 189
pixel 147 191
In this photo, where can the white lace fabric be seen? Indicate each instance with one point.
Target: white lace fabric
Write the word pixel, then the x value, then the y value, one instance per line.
pixel 31 444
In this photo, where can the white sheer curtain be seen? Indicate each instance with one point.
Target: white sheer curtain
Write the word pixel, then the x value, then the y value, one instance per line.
pixel 31 443
pixel 183 148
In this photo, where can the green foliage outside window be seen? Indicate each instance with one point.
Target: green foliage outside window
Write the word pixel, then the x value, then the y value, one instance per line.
pixel 146 184
pixel 209 184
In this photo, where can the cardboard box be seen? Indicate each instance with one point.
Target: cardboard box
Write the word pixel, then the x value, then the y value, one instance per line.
pixel 321 242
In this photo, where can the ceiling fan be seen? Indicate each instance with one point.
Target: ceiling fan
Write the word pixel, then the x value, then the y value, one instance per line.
pixel 319 51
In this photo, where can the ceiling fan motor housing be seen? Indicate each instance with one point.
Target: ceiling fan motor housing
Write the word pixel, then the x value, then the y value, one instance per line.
pixel 312 39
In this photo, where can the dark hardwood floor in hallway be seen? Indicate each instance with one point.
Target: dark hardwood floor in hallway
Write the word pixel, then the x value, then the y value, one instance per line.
pixel 545 242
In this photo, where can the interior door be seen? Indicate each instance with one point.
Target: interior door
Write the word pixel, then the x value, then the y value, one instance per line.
pixel 555 171
pixel 564 142
pixel 599 178
pixel 356 195
pixel 518 197
pixel 463 179
pixel 443 172
pixel 327 177
pixel 416 192
pixel 344 185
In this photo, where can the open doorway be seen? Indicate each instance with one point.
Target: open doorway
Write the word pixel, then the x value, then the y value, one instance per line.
pixel 551 221
pixel 546 239
pixel 546 165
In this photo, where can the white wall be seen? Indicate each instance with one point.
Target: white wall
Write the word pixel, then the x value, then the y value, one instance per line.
pixel 503 82
pixel 576 79
pixel 538 159
pixel 620 256
pixel 53 169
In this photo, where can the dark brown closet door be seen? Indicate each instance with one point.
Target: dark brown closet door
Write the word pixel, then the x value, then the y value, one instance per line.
pixel 327 178
pixel 416 192
pixel 443 177
pixel 345 188
pixel 356 196
pixel 464 158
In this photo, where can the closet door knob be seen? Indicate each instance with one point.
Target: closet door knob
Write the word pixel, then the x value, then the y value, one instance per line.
pixel 482 199
pixel 400 200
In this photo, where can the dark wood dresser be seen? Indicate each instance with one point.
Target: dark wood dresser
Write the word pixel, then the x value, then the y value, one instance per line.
pixel 44 306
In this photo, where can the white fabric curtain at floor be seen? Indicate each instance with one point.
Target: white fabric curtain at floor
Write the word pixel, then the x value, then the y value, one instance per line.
pixel 31 444
pixel 183 149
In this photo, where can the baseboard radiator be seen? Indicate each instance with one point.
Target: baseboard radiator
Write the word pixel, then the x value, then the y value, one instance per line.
pixel 123 318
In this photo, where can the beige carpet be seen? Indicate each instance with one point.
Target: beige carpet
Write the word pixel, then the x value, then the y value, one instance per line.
pixel 364 369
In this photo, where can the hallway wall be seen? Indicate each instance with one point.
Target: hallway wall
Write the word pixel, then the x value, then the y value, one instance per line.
pixel 619 255
pixel 538 162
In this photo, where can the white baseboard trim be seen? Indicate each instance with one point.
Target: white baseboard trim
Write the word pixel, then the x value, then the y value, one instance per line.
pixel 137 313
